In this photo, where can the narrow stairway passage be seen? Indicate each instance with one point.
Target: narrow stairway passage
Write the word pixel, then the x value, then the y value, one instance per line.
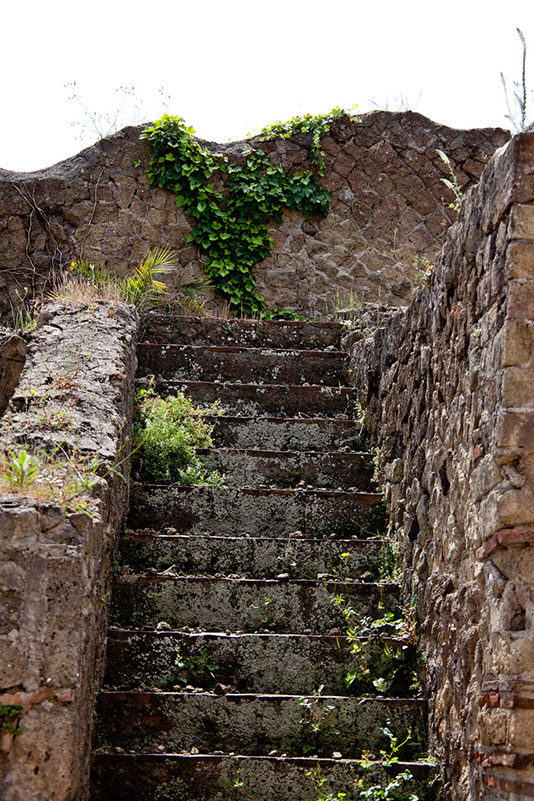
pixel 228 652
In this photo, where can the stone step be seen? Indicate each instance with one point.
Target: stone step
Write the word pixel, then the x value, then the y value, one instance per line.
pixel 255 557
pixel 257 724
pixel 245 663
pixel 230 511
pixel 212 777
pixel 170 329
pixel 261 400
pixel 222 604
pixel 246 365
pixel 242 467
pixel 287 434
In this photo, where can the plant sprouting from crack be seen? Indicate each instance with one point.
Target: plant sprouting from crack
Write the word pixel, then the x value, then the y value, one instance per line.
pixel 452 183
pixel 383 653
pixel 19 470
pixel 315 718
pixel 9 718
pixel 519 107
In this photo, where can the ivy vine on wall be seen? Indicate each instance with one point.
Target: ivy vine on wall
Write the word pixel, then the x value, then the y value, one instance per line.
pixel 231 225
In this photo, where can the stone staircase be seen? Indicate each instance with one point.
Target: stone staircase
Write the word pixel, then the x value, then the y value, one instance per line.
pixel 227 655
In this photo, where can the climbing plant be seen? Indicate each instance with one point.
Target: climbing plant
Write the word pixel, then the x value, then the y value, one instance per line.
pixel 317 125
pixel 231 204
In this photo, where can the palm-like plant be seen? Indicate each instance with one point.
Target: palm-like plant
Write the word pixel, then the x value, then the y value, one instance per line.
pixel 87 281
pixel 142 289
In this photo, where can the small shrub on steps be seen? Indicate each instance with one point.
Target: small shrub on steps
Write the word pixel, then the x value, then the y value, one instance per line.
pixel 167 432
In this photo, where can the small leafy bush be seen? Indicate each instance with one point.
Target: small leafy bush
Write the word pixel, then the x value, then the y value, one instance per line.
pixel 167 432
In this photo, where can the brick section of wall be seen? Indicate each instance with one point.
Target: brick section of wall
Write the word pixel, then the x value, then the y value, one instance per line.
pixel 55 567
pixel 450 394
pixel 388 206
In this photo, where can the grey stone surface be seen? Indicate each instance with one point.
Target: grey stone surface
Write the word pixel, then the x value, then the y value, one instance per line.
pixel 211 778
pixel 55 565
pixel 252 724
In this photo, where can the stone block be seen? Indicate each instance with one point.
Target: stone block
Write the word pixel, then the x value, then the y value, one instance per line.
pixel 522 729
pixel 520 260
pixel 515 429
pixel 516 507
pixel 520 300
pixel 492 727
pixel 521 222
pixel 513 344
pixel 518 387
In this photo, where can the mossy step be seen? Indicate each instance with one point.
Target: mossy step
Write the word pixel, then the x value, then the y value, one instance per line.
pixel 260 663
pixel 255 557
pixel 171 329
pixel 317 434
pixel 249 365
pixel 257 724
pixel 230 511
pixel 261 400
pixel 221 604
pixel 212 777
pixel 242 467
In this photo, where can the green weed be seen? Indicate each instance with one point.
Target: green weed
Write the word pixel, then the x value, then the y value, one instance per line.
pixel 167 432
pixel 19 470
pixel 452 183
pixel 9 718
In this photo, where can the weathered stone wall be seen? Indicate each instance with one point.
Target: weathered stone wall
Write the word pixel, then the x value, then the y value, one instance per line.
pixel 13 350
pixel 388 207
pixel 76 393
pixel 449 385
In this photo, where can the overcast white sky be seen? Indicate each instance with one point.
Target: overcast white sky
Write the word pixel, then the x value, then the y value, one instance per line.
pixel 232 66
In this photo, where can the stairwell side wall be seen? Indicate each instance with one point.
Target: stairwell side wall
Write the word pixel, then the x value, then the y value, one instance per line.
pixel 55 566
pixel 449 390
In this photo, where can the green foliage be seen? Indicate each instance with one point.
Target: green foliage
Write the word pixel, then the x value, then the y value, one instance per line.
pixel 395 789
pixel 63 477
pixel 231 223
pixel 383 653
pixel 167 432
pixel 315 718
pixel 317 125
pixel 19 470
pixel 196 668
pixel 425 266
pixel 9 714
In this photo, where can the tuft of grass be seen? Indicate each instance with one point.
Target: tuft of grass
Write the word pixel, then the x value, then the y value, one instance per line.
pixel 346 302
pixel 87 282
